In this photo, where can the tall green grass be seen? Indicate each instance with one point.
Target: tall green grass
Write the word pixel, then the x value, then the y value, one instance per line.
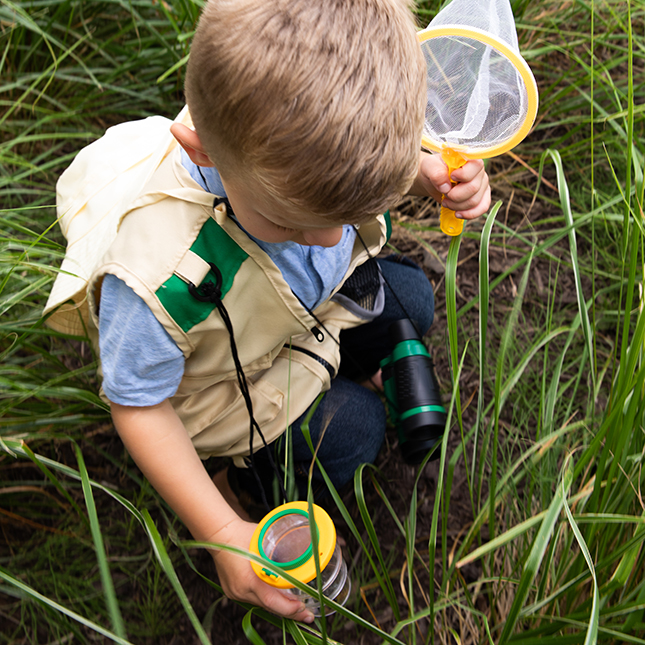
pixel 547 448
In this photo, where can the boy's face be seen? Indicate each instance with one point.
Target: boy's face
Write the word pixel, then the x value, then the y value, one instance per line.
pixel 265 218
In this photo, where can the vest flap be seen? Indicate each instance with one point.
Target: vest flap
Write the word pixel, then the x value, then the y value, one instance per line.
pixel 211 245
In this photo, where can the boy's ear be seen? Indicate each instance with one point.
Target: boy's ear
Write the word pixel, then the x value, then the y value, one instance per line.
pixel 190 142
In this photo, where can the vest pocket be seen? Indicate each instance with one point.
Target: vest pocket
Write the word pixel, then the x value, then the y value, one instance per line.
pixel 222 405
pixel 217 419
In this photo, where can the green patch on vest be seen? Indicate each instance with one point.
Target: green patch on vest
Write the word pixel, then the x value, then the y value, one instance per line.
pixel 213 245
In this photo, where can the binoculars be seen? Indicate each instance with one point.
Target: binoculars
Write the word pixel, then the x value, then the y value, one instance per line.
pixel 412 393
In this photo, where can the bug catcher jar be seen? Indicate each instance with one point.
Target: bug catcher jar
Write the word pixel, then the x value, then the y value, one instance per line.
pixel 284 538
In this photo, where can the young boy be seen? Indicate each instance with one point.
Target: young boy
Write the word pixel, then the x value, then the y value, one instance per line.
pixel 248 252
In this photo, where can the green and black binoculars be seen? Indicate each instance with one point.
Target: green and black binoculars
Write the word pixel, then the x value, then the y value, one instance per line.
pixel 412 393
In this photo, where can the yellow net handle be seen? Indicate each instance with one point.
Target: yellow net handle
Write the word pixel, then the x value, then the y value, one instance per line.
pixel 450 224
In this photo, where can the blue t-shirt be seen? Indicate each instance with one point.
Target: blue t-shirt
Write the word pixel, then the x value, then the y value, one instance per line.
pixel 142 364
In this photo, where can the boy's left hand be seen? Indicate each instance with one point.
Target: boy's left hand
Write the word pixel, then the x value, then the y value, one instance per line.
pixel 469 198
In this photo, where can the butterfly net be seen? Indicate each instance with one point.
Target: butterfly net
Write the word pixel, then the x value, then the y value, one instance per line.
pixel 477 95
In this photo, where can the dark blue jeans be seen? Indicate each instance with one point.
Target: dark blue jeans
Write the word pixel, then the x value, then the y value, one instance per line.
pixel 350 418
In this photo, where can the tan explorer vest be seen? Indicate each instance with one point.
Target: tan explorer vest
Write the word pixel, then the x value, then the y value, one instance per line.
pixel 165 244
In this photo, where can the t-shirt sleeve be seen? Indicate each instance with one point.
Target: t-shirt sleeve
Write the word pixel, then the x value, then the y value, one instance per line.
pixel 141 363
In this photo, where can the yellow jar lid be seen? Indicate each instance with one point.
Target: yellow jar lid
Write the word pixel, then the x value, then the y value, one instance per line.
pixel 284 538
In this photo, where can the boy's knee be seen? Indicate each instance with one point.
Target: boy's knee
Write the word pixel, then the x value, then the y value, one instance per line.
pixel 356 423
pixel 367 422
pixel 412 289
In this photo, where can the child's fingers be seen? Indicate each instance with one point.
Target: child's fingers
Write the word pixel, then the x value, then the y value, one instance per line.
pixel 469 197
pixel 469 200
pixel 466 204
pixel 469 171
pixel 240 583
pixel 435 173
pixel 279 603
pixel 432 177
pixel 466 195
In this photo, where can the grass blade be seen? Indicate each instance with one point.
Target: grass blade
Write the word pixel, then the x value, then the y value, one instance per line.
pixel 166 564
pixel 106 579
pixel 484 293
pixel 592 632
pixel 48 602
pixel 534 559
pixel 250 631
pixel 565 204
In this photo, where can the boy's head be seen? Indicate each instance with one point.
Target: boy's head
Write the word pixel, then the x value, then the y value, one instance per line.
pixel 320 101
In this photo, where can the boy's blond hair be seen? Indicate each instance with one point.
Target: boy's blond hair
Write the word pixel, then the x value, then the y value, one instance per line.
pixel 321 100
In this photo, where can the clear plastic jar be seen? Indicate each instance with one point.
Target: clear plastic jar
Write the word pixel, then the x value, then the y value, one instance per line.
pixel 336 585
pixel 286 541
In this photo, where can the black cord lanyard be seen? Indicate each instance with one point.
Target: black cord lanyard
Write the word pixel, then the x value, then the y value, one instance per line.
pixel 212 292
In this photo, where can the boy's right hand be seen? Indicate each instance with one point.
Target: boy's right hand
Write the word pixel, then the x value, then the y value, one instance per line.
pixel 240 582
pixel 161 447
pixel 469 197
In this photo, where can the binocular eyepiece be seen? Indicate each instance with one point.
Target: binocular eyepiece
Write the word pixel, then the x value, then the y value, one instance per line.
pixel 412 393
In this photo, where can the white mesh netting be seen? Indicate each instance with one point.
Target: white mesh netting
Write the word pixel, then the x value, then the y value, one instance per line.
pixel 477 97
pixel 495 17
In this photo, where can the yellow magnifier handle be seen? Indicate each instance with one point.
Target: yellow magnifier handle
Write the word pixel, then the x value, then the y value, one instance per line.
pixel 450 224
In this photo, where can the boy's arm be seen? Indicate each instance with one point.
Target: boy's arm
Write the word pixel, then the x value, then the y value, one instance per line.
pixel 159 444
pixel 469 198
